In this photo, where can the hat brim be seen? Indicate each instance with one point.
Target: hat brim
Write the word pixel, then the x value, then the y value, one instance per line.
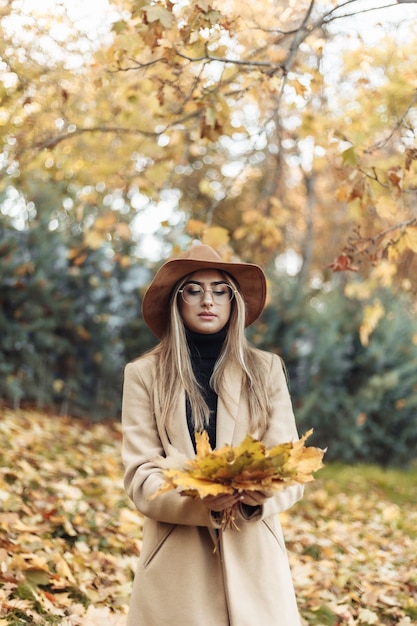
pixel 155 305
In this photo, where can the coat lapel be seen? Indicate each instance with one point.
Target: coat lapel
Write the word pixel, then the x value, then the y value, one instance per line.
pixel 177 428
pixel 227 408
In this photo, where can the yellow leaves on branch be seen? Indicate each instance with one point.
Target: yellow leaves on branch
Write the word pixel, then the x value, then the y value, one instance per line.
pixel 249 466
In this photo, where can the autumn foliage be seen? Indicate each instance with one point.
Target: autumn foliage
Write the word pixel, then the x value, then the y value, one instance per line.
pixel 247 467
pixel 232 113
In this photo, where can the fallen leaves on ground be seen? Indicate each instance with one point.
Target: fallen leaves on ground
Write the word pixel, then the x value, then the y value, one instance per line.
pixel 70 539
pixel 353 551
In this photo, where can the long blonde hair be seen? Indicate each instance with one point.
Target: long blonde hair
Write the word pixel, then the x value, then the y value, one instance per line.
pixel 175 369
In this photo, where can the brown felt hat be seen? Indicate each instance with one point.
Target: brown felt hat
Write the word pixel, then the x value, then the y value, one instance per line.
pixel 249 277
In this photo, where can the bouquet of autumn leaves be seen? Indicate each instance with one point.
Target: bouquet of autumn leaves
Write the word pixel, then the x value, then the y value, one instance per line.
pixel 250 466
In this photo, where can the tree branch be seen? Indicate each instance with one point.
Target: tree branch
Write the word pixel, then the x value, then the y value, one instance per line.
pixel 376 238
pixel 241 62
pixel 51 142
pixel 299 37
pixel 380 144
pixel 330 16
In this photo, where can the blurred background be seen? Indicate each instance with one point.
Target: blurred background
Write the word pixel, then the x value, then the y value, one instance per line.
pixel 282 134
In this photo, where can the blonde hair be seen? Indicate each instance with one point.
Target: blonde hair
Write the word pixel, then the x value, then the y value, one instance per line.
pixel 174 365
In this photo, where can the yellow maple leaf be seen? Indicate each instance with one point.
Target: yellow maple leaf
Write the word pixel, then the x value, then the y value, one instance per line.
pixel 304 461
pixel 158 13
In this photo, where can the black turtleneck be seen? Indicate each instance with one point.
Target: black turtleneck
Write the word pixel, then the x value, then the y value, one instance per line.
pixel 204 352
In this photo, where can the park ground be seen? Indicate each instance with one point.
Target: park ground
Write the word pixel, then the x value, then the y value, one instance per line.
pixel 70 539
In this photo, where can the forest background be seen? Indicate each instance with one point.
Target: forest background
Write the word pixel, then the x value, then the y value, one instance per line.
pixel 279 132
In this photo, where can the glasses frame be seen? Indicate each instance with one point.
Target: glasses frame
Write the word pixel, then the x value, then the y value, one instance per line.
pixel 203 292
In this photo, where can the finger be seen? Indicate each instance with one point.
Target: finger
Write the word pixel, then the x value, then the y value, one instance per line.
pixel 254 498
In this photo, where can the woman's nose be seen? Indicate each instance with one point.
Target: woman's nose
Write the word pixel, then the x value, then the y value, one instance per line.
pixel 207 297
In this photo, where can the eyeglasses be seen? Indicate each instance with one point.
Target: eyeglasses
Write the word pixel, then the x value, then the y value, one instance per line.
pixel 193 293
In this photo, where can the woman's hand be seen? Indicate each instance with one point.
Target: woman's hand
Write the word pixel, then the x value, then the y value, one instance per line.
pixel 222 502
pixel 255 498
pixel 226 501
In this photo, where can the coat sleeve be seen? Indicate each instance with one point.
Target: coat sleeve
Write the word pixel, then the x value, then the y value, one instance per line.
pixel 281 429
pixel 141 447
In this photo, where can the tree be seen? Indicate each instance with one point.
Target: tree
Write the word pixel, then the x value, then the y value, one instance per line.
pixel 244 113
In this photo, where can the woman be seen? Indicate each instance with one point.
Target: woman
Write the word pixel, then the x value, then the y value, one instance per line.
pixel 204 375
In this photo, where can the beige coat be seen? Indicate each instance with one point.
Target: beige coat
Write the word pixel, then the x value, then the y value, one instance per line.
pixel 181 580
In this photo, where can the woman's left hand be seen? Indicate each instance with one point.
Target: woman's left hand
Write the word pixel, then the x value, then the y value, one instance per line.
pixel 255 498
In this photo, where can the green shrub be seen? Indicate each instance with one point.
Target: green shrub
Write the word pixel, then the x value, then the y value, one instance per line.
pixel 360 400
pixel 62 311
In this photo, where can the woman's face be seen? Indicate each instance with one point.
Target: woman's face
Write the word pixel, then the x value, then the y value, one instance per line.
pixel 205 303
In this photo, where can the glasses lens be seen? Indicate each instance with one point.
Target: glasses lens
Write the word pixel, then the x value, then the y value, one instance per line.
pixel 193 293
pixel 222 294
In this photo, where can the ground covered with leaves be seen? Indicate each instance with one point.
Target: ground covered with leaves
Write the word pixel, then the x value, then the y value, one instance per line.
pixel 69 538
